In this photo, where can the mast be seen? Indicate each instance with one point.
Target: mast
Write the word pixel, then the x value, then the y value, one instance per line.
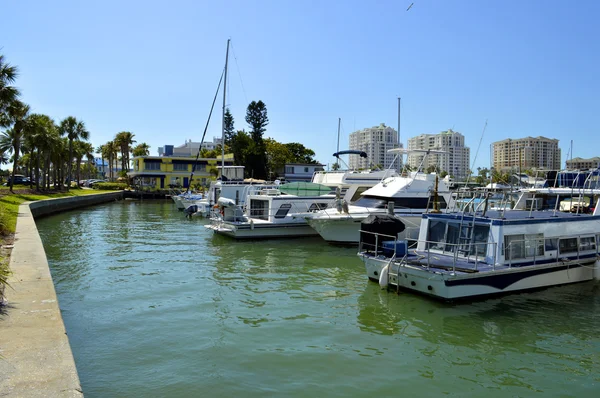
pixel 399 155
pixel 223 123
pixel 338 142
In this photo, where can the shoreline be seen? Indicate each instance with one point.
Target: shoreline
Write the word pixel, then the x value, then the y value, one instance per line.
pixel 35 355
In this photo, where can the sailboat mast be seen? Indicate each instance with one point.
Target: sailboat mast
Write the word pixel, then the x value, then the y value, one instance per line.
pixel 399 154
pixel 224 104
pixel 338 142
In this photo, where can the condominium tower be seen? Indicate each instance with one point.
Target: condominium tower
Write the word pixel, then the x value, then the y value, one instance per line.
pixel 456 159
pixel 375 141
pixel 526 153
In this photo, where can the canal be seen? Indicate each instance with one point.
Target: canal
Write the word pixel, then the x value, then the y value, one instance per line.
pixel 155 306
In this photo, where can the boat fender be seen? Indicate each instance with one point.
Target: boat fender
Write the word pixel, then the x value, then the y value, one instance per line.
pixel 251 224
pixel 383 276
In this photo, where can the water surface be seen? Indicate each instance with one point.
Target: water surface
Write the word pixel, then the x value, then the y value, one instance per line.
pixel 156 306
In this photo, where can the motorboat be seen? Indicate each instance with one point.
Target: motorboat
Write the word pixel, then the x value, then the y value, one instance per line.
pixel 268 213
pixel 464 256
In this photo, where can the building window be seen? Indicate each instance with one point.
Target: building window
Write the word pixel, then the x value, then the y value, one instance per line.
pixel 306 169
pixel 180 166
pixel 152 166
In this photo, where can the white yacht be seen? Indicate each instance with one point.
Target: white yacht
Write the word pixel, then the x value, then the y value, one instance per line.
pixel 410 197
pixel 268 213
pixel 461 255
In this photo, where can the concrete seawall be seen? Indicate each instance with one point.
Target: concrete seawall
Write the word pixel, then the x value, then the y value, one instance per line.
pixel 35 355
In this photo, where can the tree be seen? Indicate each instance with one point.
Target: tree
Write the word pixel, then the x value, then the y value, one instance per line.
pixel 256 158
pixel 301 154
pixel 142 149
pixel 112 151
pixel 256 117
pixel 82 149
pixel 10 140
pixel 240 146
pixel 41 136
pixel 278 155
pixel 229 130
pixel 124 140
pixel 8 93
pixel 74 130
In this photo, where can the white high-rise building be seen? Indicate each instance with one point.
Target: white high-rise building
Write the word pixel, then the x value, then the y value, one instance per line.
pixel 455 162
pixel 375 141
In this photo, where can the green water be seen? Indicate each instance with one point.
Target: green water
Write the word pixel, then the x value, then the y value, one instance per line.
pixel 156 306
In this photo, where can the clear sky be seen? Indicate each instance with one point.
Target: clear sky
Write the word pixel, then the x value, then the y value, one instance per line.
pixel 528 67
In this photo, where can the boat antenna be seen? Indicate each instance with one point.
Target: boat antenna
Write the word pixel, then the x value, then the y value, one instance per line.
pixel 338 141
pixel 204 134
pixel 224 104
pixel 474 160
pixel 399 145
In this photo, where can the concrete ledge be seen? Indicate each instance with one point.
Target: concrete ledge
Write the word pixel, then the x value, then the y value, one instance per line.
pixel 35 356
pixel 56 205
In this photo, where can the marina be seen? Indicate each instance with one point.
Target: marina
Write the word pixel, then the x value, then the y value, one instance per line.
pixel 156 305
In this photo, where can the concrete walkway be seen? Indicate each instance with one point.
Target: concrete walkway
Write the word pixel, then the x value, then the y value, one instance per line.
pixel 35 356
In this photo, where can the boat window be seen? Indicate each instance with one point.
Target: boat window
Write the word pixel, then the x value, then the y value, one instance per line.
pixel 356 195
pixel 283 210
pixel 568 245
pixel 258 209
pixel 317 206
pixel 514 247
pixel 451 237
pixel 598 240
pixel 587 243
pixel 551 244
pixel 523 246
pixel 441 202
pixel 377 202
pixel 435 235
pixel 480 239
pixel 534 245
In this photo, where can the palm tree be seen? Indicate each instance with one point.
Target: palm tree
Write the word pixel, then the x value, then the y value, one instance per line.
pixel 81 149
pixel 142 149
pixel 111 154
pixel 8 93
pixel 74 130
pixel 10 140
pixel 124 140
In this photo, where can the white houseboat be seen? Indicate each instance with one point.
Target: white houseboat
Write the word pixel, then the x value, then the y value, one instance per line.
pixel 459 256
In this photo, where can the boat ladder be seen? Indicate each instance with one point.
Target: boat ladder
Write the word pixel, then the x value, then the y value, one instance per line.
pixel 397 274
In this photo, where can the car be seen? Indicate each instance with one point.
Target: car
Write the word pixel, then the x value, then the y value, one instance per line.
pixel 93 182
pixel 19 180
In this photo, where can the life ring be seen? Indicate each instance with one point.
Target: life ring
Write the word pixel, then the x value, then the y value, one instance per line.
pixel 215 206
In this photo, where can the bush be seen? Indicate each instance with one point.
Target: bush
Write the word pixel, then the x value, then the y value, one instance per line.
pixel 110 186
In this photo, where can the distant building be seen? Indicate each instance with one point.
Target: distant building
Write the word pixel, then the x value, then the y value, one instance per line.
pixel 455 162
pixel 189 148
pixel 167 171
pixel 526 153
pixel 583 164
pixel 301 171
pixel 375 141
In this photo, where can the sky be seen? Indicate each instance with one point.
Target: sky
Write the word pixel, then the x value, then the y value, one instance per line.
pixel 490 69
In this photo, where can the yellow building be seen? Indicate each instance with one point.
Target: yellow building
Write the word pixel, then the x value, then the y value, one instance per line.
pixel 162 172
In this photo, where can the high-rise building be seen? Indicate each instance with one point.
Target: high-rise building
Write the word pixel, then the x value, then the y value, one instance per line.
pixel 583 164
pixel 456 159
pixel 375 141
pixel 526 153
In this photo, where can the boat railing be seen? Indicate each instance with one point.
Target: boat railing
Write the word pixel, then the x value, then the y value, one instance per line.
pixel 433 250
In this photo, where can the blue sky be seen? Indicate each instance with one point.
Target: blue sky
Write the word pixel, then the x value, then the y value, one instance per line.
pixel 152 67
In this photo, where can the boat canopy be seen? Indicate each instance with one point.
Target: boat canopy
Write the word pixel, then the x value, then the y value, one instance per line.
pixel 382 224
pixel 305 189
pixel 362 154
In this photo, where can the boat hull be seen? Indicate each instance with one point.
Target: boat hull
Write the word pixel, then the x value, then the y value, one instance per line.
pixel 446 286
pixel 346 229
pixel 264 231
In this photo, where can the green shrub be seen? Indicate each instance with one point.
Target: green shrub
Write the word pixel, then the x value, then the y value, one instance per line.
pixel 110 186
